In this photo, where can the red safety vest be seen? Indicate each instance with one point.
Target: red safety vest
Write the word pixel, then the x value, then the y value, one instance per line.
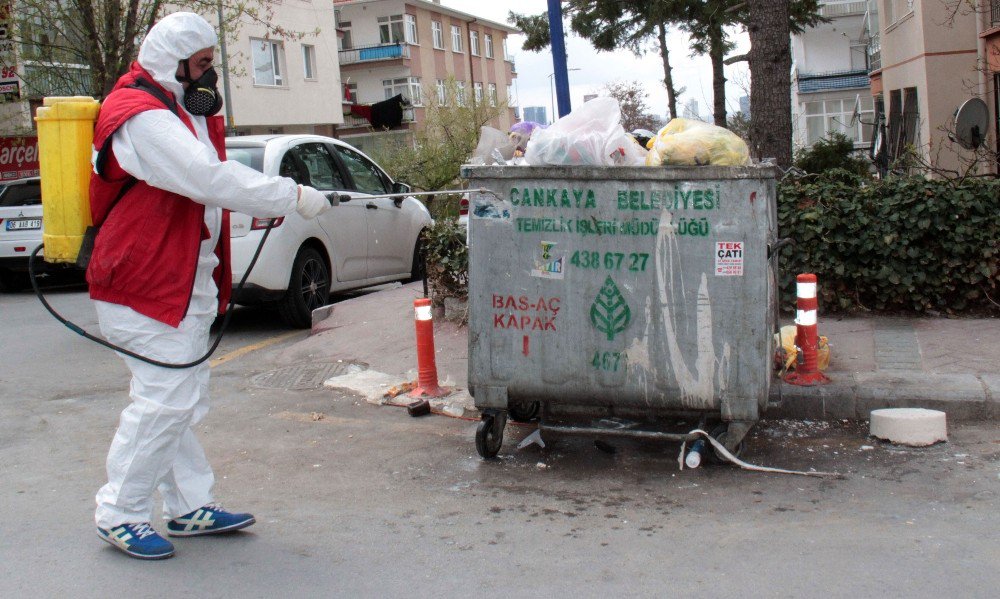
pixel 146 253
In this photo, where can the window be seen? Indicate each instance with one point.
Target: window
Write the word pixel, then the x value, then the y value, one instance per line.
pixel 390 29
pixel 409 87
pixel 491 94
pixel 488 42
pixel 456 38
pixel 824 117
pixel 895 127
pixel 309 61
pixel 438 35
pixel 268 62
pixel 28 194
pixel 474 43
pixel 460 93
pixel 345 42
pixel 511 100
pixel 477 92
pixel 368 178
pixel 411 29
pixel 911 115
pixel 312 164
pixel 506 54
pixel 442 93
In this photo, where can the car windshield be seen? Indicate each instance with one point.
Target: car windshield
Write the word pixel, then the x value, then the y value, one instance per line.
pixel 27 194
pixel 250 156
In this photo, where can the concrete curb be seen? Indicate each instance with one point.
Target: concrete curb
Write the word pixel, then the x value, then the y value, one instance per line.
pixel 964 397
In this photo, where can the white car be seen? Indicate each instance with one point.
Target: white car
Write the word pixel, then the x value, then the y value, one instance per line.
pixel 20 230
pixel 364 241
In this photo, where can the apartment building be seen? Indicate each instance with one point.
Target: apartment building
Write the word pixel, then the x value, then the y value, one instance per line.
pixel 276 84
pixel 412 48
pixel 286 85
pixel 990 48
pixel 830 87
pixel 926 58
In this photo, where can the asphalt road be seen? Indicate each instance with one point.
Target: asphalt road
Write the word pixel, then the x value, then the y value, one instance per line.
pixel 356 500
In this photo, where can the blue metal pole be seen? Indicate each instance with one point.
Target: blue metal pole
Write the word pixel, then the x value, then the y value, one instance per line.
pixel 559 56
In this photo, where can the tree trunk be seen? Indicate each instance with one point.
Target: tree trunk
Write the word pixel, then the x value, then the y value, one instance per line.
pixel 770 81
pixel 717 53
pixel 668 77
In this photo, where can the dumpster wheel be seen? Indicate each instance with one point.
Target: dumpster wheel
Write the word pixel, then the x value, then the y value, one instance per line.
pixel 523 411
pixel 489 435
pixel 719 434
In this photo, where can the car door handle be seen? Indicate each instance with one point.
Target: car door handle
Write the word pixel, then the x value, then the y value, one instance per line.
pixel 371 206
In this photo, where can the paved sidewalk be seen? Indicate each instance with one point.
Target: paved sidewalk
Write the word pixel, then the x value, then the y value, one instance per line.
pixel 951 364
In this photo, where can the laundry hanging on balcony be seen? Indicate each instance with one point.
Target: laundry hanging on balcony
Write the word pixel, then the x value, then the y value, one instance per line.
pixel 385 114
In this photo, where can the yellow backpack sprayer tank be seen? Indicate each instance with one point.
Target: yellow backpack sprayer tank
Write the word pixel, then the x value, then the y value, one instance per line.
pixel 65 146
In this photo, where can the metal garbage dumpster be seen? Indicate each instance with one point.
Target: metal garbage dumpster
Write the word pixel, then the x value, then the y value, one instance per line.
pixel 623 291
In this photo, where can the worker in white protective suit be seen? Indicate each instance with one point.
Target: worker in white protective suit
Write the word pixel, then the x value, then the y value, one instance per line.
pixel 159 274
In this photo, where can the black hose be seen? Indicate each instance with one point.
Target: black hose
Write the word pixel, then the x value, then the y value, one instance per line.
pixel 79 331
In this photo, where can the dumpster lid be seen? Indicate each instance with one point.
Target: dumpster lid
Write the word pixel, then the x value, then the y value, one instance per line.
pixel 623 173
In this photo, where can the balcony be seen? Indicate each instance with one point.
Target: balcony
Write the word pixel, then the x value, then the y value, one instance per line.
pixel 833 80
pixel 875 53
pixel 56 79
pixel 995 12
pixel 843 8
pixel 374 53
pixel 356 122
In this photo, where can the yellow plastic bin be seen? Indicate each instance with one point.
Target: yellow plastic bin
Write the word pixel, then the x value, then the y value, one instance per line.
pixel 65 145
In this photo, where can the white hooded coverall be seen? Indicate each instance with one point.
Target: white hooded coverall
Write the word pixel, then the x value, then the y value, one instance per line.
pixel 155 446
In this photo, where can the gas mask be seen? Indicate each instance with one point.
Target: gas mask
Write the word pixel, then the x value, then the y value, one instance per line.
pixel 202 97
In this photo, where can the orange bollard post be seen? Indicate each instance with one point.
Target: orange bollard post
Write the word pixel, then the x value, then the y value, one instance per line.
pixel 427 378
pixel 806 372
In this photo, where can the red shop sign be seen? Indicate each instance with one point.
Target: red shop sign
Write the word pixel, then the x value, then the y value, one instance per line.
pixel 18 157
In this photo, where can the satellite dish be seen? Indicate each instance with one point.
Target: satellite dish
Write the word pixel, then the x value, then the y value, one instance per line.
pixel 971 122
pixel 856 115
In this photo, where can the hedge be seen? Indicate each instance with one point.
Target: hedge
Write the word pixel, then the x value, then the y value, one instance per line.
pixel 901 244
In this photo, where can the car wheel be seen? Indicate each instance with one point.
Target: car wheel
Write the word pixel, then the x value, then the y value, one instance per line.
pixel 308 289
pixel 419 268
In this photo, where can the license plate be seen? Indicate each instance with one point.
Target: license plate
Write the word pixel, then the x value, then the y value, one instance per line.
pixel 24 224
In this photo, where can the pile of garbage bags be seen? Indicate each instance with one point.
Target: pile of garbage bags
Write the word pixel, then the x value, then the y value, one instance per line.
pixel 593 135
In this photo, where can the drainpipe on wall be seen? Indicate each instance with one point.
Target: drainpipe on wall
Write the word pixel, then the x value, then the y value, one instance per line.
pixel 981 62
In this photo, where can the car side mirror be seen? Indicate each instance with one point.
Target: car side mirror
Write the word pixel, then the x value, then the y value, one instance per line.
pixel 401 188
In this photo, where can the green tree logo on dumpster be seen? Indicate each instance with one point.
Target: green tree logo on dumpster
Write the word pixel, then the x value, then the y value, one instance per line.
pixel 610 313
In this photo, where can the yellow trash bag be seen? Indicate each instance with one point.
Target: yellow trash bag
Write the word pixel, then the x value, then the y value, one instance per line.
pixel 686 142
pixel 788 351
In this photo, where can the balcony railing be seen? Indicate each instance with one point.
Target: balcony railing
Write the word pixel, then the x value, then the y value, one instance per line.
pixel 842 8
pixel 874 53
pixel 374 53
pixel 995 12
pixel 353 121
pixel 53 79
pixel 832 80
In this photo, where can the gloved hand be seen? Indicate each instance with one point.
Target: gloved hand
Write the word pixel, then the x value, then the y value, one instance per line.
pixel 311 202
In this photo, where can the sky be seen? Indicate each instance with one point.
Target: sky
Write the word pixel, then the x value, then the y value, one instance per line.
pixel 533 86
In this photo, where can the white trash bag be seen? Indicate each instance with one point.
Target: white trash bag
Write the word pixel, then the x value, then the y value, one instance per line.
pixel 590 135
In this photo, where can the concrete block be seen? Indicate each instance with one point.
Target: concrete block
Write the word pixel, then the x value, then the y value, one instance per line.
pixel 909 426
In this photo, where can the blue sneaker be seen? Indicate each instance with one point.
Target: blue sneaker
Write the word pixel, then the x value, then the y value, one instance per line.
pixel 138 540
pixel 208 520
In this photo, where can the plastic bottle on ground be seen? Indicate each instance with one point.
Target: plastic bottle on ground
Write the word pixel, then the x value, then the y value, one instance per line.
pixel 693 457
